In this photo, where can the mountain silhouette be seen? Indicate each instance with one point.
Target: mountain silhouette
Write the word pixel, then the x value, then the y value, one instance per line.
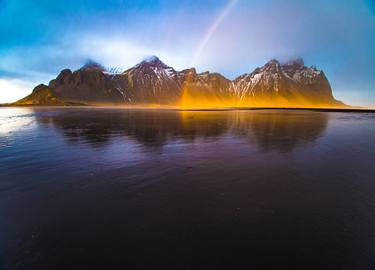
pixel 151 81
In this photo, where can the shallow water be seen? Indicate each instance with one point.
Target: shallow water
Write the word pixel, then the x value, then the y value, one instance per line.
pixel 145 189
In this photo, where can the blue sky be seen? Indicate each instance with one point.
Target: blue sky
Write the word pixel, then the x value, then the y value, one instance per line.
pixel 40 37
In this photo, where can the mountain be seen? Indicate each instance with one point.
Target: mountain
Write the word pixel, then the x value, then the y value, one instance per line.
pixel 276 84
pixel 42 95
pixel 149 82
pixel 89 84
pixel 284 84
pixel 205 89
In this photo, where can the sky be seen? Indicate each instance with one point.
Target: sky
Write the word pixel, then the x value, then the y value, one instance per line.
pixel 39 38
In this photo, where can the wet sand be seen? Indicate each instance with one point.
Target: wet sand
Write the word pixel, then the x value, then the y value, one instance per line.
pixel 108 188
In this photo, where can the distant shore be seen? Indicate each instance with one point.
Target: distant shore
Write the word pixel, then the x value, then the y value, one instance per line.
pixel 176 108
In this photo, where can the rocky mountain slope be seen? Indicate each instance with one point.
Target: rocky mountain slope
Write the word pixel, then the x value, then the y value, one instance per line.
pixel 42 95
pixel 153 82
pixel 290 83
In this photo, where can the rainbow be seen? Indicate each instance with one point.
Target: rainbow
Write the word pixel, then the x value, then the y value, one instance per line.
pixel 211 30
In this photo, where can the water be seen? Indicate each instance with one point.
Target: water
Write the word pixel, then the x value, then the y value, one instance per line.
pixel 84 188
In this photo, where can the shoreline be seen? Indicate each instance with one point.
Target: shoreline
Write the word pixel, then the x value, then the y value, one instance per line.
pixel 350 109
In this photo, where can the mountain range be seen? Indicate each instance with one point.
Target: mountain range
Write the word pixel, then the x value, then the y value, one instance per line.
pixel 152 82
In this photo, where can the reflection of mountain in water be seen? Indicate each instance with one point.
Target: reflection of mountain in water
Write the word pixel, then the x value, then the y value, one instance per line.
pixel 270 130
pixel 150 128
pixel 281 130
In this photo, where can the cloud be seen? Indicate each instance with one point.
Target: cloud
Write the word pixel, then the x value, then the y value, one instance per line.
pixel 13 89
pixel 119 51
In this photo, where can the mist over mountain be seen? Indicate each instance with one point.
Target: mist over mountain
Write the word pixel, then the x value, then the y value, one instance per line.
pixel 151 81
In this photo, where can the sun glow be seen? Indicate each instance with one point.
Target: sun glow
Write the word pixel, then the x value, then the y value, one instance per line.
pixel 196 97
pixel 196 101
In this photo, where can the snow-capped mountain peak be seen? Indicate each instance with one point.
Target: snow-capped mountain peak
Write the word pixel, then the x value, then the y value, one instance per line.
pixel 152 61
pixel 153 82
